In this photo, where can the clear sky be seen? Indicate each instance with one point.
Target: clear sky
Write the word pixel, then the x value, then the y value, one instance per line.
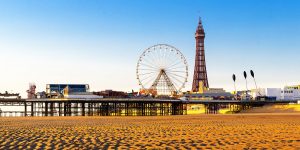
pixel 99 42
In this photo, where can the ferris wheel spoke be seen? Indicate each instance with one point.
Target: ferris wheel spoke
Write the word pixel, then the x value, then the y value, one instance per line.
pixel 147 76
pixel 175 64
pixel 176 59
pixel 176 75
pixel 146 69
pixel 153 58
pixel 147 65
pixel 162 52
pixel 146 58
pixel 145 81
pixel 179 71
pixel 183 76
pixel 149 83
pixel 162 55
pixel 149 59
pixel 171 60
pixel 177 68
pixel 148 62
pixel 146 73
pixel 170 52
pixel 176 54
pixel 158 53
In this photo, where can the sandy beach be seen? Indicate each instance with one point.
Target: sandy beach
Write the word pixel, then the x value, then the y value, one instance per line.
pixel 236 131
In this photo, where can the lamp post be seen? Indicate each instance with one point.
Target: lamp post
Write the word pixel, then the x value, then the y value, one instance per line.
pixel 252 74
pixel 245 76
pixel 234 79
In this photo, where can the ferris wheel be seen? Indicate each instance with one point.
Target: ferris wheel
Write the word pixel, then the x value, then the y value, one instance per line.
pixel 162 69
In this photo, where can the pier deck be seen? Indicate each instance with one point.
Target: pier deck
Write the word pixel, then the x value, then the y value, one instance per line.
pixel 121 106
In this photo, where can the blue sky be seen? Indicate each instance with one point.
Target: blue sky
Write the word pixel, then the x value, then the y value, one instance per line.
pixel 99 42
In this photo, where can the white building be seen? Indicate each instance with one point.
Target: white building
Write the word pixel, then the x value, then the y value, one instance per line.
pixel 287 93
pixel 290 94
pixel 273 92
pixel 267 92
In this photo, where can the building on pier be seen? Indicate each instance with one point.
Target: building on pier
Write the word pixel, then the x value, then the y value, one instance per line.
pixel 287 93
pixel 296 87
pixel 70 91
pixel 209 94
pixel 112 94
pixel 7 95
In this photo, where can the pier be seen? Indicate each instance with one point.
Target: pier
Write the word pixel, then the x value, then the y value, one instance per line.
pixel 213 106
pixel 99 107
pixel 121 107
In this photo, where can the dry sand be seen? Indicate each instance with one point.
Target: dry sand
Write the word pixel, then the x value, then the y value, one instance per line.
pixel 239 131
pixel 291 108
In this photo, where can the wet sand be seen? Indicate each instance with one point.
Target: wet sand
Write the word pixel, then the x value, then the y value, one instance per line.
pixel 238 131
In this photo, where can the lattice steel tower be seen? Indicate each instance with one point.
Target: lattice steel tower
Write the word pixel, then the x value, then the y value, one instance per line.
pixel 200 73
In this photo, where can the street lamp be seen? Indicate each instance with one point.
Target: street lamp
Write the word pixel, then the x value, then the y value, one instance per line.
pixel 234 79
pixel 245 76
pixel 252 74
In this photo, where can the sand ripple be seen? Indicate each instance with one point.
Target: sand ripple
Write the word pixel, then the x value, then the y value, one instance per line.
pixel 165 132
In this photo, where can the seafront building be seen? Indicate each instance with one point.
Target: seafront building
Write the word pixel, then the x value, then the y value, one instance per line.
pixel 285 93
pixel 69 91
pixel 208 94
pixel 7 95
pixel 262 94
pixel 291 92
pixel 76 91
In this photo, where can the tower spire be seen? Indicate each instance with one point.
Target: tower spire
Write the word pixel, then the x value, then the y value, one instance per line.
pixel 200 21
pixel 200 26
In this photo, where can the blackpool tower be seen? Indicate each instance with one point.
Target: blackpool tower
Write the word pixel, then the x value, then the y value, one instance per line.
pixel 200 80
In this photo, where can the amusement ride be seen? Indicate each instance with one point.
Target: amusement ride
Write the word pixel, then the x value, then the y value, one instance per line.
pixel 162 70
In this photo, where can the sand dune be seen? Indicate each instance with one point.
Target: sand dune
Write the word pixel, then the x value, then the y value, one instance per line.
pixel 165 132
